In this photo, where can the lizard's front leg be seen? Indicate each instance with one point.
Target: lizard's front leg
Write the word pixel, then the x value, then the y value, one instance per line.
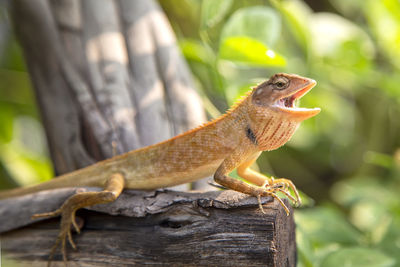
pixel 281 184
pixel 112 190
pixel 261 186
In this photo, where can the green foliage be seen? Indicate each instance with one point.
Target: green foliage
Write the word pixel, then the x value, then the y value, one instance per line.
pixel 257 22
pixel 357 257
pixel 213 11
pixel 384 21
pixel 245 50
pixel 248 34
pixel 23 155
pixel 347 159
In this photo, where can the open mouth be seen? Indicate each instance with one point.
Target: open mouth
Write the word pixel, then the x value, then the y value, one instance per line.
pixel 289 102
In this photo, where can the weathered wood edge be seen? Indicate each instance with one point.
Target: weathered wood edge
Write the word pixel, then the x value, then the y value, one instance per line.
pixel 17 212
pixel 170 229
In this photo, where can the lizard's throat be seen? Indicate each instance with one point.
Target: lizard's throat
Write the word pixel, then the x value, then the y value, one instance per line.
pixel 275 132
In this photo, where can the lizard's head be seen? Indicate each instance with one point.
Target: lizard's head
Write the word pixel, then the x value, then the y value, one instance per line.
pixel 272 110
pixel 279 95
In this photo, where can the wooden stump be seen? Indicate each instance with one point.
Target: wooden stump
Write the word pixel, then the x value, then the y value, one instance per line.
pixel 161 228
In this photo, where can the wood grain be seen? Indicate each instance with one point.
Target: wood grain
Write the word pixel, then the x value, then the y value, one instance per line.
pixel 167 228
pixel 104 72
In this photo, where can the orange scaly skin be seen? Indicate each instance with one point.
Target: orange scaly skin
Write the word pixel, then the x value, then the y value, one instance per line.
pixel 264 120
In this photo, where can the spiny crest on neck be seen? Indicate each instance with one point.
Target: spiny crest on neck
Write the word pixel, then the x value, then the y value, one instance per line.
pixel 228 112
pixel 239 101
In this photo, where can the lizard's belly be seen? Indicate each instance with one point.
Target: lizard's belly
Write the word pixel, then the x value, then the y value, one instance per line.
pixel 168 179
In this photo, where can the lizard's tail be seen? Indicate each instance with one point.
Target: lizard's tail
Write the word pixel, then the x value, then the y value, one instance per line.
pixel 52 184
pixel 27 190
pixel 82 177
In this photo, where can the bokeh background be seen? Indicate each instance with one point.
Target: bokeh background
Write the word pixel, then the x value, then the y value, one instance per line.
pixel 346 161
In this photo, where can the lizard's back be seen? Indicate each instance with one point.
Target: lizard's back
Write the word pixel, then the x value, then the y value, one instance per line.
pixel 184 158
pixel 188 157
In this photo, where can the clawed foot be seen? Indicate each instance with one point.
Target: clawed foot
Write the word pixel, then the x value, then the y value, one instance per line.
pixel 272 186
pixel 67 211
pixel 67 221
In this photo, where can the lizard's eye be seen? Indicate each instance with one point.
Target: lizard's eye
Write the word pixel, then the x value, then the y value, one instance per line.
pixel 281 83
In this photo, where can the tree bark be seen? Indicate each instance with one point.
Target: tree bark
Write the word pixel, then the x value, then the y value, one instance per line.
pixel 104 72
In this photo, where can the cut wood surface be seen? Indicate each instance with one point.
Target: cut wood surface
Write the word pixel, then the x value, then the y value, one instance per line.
pixel 160 228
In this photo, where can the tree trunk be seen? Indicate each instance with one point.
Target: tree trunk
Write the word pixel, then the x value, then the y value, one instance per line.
pixel 108 77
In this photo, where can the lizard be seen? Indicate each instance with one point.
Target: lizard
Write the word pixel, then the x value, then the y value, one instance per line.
pixel 263 120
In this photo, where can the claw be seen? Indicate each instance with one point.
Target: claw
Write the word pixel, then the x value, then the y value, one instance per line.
pixel 290 185
pixel 281 202
pixel 260 204
pixel 277 198
pixel 114 187
pixel 46 214
pixel 272 185
pixel 64 251
pixel 76 227
pixel 52 252
pixel 71 241
pixel 67 222
pixel 283 185
pixel 289 196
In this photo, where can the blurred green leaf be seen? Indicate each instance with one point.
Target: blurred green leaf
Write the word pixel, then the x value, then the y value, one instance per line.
pixel 379 159
pixel 306 200
pixel 348 8
pixel 352 191
pixel 384 20
pixel 195 50
pixel 337 111
pixel 25 167
pixel 325 225
pixel 6 122
pixel 341 41
pixel 296 14
pixel 25 156
pixel 6 180
pixel 16 91
pixel 13 59
pixel 321 231
pixel 389 83
pixel 370 217
pixel 213 11
pixel 391 241
pixel 244 50
pixel 305 249
pixel 257 23
pixel 358 257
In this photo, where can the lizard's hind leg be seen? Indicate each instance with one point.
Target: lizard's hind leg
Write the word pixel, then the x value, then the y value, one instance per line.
pixel 112 190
